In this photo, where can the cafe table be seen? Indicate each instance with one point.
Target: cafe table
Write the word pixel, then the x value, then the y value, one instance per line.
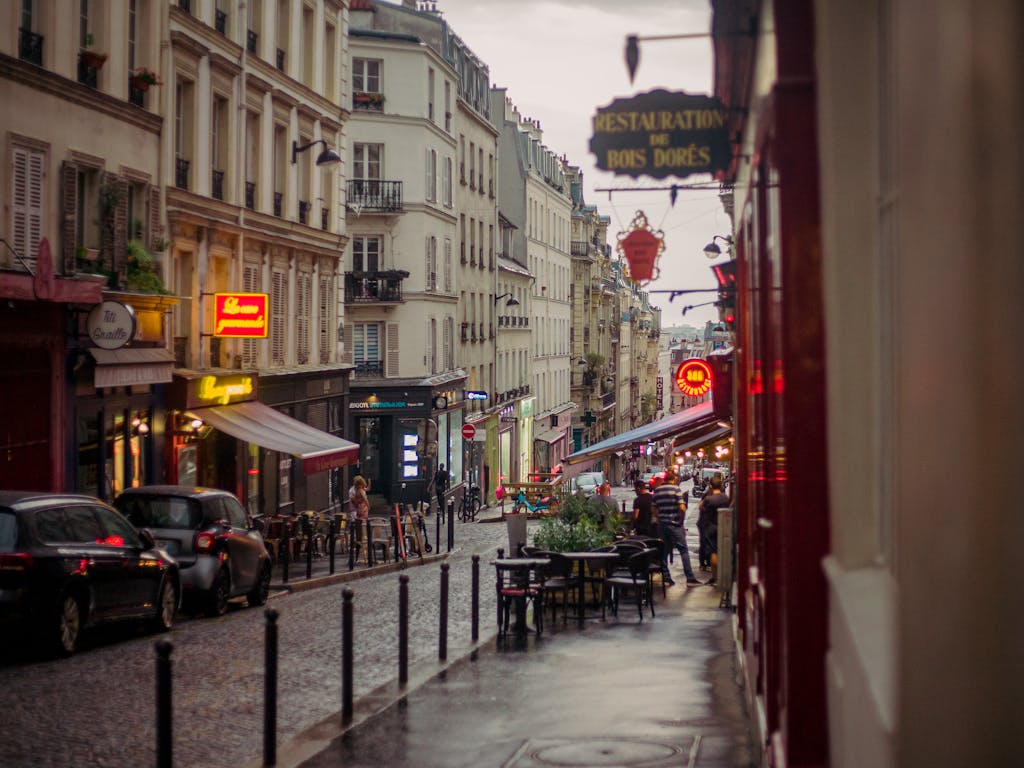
pixel 514 576
pixel 583 560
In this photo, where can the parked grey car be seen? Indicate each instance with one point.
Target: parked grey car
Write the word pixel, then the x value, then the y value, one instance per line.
pixel 218 548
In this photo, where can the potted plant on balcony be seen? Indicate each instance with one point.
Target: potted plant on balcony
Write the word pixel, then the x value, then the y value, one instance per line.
pixel 91 59
pixel 142 78
pixel 368 99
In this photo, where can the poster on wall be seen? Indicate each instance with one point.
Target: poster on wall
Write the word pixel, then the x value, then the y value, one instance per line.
pixel 187 465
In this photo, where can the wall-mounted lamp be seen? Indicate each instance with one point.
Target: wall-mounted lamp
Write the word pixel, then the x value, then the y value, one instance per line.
pixel 712 251
pixel 327 157
pixel 196 424
pixel 512 301
pixel 139 426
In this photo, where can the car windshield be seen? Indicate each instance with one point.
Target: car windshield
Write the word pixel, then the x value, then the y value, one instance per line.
pixel 160 511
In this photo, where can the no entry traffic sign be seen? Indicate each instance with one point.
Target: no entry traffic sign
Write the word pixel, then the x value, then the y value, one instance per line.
pixel 468 430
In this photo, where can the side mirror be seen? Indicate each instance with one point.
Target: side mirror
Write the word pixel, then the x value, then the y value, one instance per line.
pixel 148 542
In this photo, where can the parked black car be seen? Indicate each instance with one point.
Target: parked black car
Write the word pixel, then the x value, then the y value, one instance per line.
pixel 68 562
pixel 218 547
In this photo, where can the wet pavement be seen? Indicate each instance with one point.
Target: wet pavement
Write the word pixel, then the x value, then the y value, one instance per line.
pixel 618 692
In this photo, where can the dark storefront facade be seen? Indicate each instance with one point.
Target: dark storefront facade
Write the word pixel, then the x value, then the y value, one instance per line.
pixel 274 440
pixel 405 432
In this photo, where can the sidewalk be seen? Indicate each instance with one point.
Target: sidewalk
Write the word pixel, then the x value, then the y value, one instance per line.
pixel 659 693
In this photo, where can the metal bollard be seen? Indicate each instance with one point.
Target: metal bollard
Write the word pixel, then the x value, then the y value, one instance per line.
pixel 442 642
pixel 270 690
pixel 164 731
pixel 368 538
pixel 475 631
pixel 437 531
pixel 286 554
pixel 307 528
pixel 451 525
pixel 331 544
pixel 403 629
pixel 352 543
pixel 346 656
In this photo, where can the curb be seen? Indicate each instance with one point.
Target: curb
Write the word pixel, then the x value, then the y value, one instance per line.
pixel 280 588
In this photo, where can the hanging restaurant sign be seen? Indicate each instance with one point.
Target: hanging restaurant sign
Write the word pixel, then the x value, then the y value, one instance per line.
pixel 661 133
pixel 641 246
pixel 241 315
pixel 693 377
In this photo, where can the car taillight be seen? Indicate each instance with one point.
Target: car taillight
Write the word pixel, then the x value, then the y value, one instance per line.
pixel 205 542
pixel 15 561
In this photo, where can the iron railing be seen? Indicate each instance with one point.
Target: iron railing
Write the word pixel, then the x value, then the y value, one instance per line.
pixel 374 287
pixel 217 184
pixel 369 368
pixel 181 166
pixel 375 195
pixel 30 47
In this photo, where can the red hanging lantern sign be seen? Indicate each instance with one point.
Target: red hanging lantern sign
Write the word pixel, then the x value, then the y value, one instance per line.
pixel 641 246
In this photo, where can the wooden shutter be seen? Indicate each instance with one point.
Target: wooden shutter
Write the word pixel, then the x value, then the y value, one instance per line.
pixel 26 206
pixel 303 302
pixel 426 263
pixel 279 316
pixel 446 362
pixel 155 230
pixel 347 354
pixel 69 209
pixel 324 306
pixel 448 265
pixel 121 229
pixel 250 284
pixel 391 351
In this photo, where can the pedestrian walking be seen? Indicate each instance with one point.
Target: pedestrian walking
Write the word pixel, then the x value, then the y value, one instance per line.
pixel 707 524
pixel 440 487
pixel 669 501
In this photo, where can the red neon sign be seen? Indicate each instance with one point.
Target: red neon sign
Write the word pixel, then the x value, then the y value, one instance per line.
pixel 693 377
pixel 241 315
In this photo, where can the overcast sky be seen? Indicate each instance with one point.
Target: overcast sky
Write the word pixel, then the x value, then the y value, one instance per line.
pixel 560 60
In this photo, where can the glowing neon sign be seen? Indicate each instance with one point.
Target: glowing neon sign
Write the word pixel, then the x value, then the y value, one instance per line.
pixel 241 315
pixel 693 377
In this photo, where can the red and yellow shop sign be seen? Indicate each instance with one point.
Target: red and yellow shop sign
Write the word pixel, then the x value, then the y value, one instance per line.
pixel 693 377
pixel 241 315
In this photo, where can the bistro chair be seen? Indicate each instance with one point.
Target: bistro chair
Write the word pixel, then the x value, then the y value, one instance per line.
pixel 558 577
pixel 518 588
pixel 381 539
pixel 629 575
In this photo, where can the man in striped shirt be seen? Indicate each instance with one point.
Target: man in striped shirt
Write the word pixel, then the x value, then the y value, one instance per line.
pixel 671 512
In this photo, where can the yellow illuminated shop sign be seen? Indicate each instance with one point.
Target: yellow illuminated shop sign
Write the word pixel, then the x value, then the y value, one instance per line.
pixel 214 390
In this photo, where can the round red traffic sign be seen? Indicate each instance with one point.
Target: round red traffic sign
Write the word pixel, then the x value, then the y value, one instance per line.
pixel 468 430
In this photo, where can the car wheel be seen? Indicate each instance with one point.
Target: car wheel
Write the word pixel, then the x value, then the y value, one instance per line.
pixel 261 591
pixel 67 628
pixel 220 591
pixel 166 607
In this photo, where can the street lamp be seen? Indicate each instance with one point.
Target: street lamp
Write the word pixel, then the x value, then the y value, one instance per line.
pixel 713 251
pixel 512 301
pixel 327 157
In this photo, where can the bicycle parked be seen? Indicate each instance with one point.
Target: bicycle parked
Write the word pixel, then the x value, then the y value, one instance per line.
pixel 470 504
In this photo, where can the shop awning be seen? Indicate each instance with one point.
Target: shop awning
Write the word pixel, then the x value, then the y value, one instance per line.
pixel 261 425
pixel 549 435
pixel 132 365
pixel 690 423
pixel 705 439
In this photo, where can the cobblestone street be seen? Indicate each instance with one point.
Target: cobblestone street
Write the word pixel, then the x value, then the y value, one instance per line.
pixel 98 707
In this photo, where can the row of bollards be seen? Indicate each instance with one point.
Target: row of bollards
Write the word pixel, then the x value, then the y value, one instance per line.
pixel 164 724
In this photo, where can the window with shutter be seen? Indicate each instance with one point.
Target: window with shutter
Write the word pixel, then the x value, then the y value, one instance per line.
pixel 69 211
pixel 446 182
pixel 391 369
pixel 348 341
pixel 446 357
pixel 448 265
pixel 432 346
pixel 431 263
pixel 303 307
pixel 251 284
pixel 324 302
pixel 27 205
pixel 278 316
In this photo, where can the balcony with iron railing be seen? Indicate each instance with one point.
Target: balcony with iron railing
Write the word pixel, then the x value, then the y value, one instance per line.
pixel 217 185
pixel 135 95
pixel 380 287
pixel 608 400
pixel 465 332
pixel 220 21
pixel 304 206
pixel 374 195
pixel 30 47
pixel 252 40
pixel 278 199
pixel 281 58
pixel 87 74
pixel 250 195
pixel 369 369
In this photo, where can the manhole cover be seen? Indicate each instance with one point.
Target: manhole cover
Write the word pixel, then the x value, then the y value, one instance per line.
pixel 599 753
